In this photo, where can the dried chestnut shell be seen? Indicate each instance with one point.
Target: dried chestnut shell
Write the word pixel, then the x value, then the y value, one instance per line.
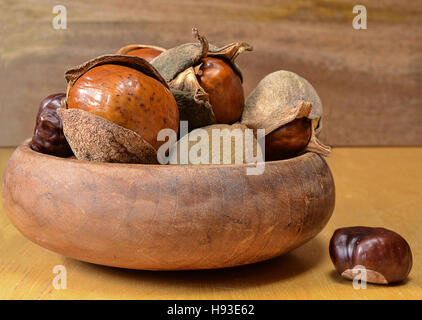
pixel 280 98
pixel 115 107
pixel 271 103
pixel 146 52
pixel 48 134
pixel 288 140
pixel 179 155
pixel 385 255
pixel 224 87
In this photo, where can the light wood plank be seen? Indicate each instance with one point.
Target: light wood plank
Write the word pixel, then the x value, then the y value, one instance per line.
pixel 375 187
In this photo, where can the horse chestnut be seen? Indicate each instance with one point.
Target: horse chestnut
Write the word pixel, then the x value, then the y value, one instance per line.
pixel 288 140
pixel 126 97
pixel 224 87
pixel 205 80
pixel 384 254
pixel 290 110
pixel 146 52
pixel 48 134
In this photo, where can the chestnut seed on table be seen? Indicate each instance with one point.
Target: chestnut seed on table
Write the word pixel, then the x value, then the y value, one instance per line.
pixel 48 135
pixel 224 87
pixel 385 255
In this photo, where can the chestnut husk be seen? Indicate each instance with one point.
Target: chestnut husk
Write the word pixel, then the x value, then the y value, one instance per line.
pixel 229 53
pixel 194 107
pixel 175 60
pixel 179 66
pixel 280 98
pixel 93 138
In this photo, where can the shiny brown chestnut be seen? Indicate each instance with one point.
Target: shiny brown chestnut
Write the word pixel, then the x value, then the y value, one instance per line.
pixel 48 133
pixel 128 98
pixel 288 140
pixel 147 53
pixel 224 87
pixel 384 254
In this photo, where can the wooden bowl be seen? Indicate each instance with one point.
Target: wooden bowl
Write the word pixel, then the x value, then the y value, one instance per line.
pixel 173 217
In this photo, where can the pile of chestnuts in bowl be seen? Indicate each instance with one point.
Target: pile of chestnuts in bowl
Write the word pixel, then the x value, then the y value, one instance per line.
pixel 116 106
pixel 154 159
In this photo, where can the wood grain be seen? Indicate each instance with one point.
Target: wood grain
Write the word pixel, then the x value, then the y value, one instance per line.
pixel 174 217
pixel 375 187
pixel 369 80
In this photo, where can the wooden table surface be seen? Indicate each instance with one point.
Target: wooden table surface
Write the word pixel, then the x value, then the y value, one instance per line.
pixel 375 187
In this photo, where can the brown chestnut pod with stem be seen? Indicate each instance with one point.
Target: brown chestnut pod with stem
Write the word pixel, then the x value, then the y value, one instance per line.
pixel 145 51
pixel 114 109
pixel 289 109
pixel 205 80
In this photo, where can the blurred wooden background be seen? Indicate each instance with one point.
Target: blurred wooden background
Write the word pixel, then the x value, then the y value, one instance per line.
pixel 369 80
